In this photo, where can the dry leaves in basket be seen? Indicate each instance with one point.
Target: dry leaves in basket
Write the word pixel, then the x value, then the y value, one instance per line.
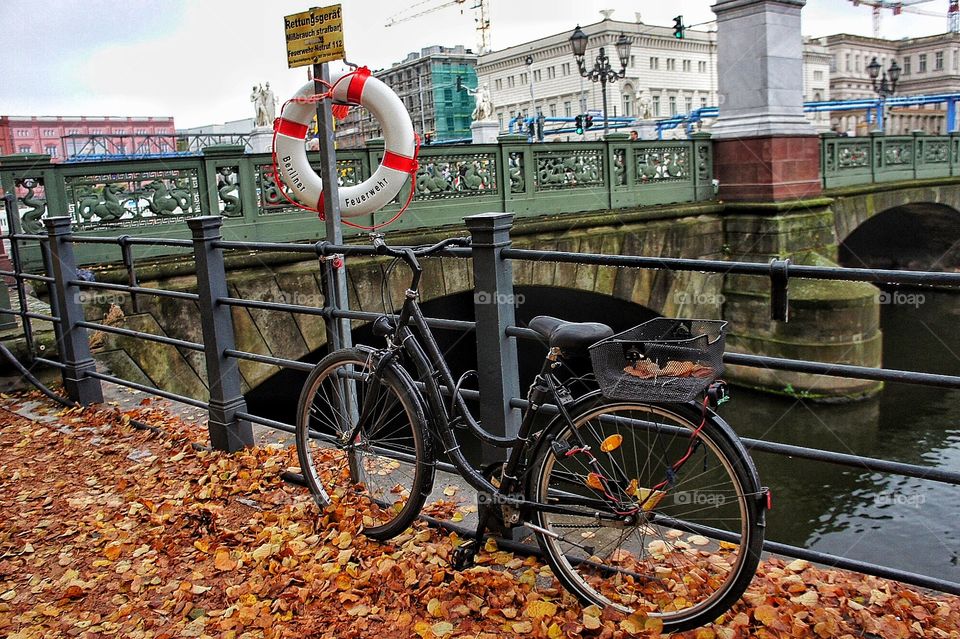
pixel 648 369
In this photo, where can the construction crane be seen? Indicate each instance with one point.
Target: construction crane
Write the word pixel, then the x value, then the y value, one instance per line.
pixel 482 7
pixel 906 6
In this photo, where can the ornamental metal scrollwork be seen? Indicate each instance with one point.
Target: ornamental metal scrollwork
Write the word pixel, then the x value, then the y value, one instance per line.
pixel 515 169
pixel 270 199
pixel 571 169
pixel 456 176
pixel 898 154
pixel 620 167
pixel 33 198
pixel 228 190
pixel 140 198
pixel 853 155
pixel 703 162
pixel 935 152
pixel 662 164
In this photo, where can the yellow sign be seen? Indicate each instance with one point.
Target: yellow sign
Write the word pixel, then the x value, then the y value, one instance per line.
pixel 314 36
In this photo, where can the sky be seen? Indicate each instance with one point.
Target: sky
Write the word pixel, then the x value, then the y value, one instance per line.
pixel 196 60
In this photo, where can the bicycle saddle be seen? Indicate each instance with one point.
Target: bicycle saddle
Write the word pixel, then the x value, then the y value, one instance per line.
pixel 569 336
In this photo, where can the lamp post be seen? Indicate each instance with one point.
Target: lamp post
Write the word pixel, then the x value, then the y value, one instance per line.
pixel 886 86
pixel 602 71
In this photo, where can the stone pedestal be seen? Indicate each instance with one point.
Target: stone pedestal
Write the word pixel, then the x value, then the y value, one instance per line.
pixel 261 140
pixel 485 131
pixel 765 149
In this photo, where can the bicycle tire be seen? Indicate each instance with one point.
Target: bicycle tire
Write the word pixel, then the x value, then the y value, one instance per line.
pixel 659 565
pixel 393 445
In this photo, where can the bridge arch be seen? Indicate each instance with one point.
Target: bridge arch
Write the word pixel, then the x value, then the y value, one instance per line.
pixel 913 235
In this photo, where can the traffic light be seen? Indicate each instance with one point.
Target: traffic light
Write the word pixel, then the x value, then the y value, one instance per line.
pixel 678 28
pixel 579 124
pixel 588 121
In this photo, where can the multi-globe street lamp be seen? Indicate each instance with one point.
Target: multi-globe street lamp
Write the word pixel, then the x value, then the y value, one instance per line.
pixel 602 71
pixel 887 84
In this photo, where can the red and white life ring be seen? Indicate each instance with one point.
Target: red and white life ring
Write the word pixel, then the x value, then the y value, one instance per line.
pixel 398 162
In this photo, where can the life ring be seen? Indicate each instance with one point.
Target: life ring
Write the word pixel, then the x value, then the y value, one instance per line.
pixel 399 158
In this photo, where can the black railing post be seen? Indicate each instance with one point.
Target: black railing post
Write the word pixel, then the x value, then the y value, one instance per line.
pixel 493 303
pixel 72 344
pixel 227 432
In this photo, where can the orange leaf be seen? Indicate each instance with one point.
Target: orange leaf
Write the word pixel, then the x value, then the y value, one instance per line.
pixel 594 481
pixel 767 615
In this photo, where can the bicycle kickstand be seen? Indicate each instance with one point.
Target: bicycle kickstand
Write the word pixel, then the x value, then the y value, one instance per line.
pixel 465 554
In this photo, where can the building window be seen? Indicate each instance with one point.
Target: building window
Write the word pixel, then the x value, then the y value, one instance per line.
pixel 938 61
pixel 23 133
pixel 922 63
pixel 688 104
pixel 847 66
pixel 673 106
pixel 656 106
pixel 702 66
pixel 524 78
pixel 553 110
pixel 449 123
pixel 141 131
pixel 49 133
pixel 956 60
pixel 536 75
pixel 703 103
pixel 25 148
pixel 906 64
pixel 654 64
pixel 686 65
pixel 856 61
pixel 627 104
pixel 565 68
pixel 551 73
pixel 671 64
pixel 567 110
pixel 633 61
pixel 500 119
pixel 498 84
pixel 98 131
pixel 510 82
pixel 50 150
pixel 818 75
pixel 73 131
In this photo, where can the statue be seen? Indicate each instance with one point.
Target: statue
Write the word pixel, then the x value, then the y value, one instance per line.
pixel 484 108
pixel 265 106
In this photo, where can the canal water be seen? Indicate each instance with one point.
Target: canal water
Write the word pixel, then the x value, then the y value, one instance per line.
pixel 906 523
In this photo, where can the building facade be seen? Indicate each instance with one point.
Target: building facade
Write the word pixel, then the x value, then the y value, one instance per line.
pixel 929 65
pixel 50 135
pixel 665 76
pixel 426 82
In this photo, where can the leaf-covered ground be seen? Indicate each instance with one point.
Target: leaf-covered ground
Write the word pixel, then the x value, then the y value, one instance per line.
pixel 106 530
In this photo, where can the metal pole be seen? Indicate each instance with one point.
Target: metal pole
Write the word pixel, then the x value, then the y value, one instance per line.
pixel 494 310
pixel 423 124
pixel 603 92
pixel 73 346
pixel 335 277
pixel 227 431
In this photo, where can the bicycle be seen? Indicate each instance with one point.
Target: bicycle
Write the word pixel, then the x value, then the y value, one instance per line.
pixel 638 505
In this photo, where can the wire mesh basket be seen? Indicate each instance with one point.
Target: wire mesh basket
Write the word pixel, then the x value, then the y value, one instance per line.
pixel 662 360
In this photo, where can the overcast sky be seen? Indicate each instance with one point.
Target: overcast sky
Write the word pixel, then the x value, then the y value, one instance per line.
pixel 196 60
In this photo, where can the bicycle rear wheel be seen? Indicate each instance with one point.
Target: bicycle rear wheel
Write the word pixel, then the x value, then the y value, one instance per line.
pixel 388 465
pixel 635 533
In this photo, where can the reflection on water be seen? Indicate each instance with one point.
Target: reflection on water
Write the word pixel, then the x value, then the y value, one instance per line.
pixel 902 522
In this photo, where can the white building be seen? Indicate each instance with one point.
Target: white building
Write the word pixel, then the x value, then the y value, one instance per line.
pixel 665 76
pixel 929 65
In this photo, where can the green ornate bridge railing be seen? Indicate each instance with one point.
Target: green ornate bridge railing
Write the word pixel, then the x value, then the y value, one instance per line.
pixel 881 158
pixel 154 197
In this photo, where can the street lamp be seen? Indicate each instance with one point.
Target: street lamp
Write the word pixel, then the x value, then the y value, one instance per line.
pixel 884 89
pixel 601 71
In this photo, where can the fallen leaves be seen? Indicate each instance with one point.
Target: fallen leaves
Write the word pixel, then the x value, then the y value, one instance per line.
pixel 187 543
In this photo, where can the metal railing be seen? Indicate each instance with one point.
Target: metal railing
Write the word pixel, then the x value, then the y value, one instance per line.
pixel 153 198
pixel 229 422
pixel 849 161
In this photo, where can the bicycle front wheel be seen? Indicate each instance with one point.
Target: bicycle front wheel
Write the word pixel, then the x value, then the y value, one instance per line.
pixel 626 526
pixel 387 464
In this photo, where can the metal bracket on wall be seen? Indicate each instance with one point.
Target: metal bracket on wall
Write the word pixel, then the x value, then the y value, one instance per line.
pixel 779 290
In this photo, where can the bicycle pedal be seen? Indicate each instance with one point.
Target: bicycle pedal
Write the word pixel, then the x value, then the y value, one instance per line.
pixel 465 555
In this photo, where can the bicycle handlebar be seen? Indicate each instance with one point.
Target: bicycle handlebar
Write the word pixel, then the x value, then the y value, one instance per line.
pixel 406 253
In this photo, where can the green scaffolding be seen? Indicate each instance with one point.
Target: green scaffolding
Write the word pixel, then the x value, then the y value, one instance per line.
pixel 452 108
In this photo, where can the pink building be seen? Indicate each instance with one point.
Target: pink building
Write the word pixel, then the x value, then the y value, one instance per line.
pixel 45 134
